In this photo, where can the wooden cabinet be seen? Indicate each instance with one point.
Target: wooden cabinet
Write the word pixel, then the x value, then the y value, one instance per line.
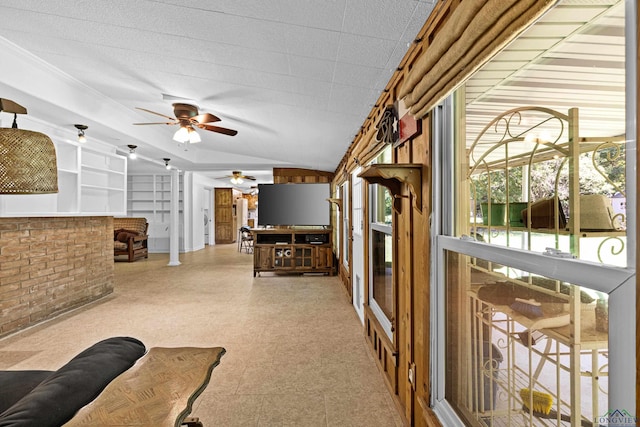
pixel 226 223
pixel 292 251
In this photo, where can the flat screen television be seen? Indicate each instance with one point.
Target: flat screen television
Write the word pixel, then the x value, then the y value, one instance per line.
pixel 294 204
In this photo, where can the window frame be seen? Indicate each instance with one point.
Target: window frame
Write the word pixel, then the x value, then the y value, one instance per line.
pixel 375 226
pixel 618 282
pixel 344 223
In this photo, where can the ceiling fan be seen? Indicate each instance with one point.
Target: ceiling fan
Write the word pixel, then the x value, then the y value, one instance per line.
pixel 237 177
pixel 188 117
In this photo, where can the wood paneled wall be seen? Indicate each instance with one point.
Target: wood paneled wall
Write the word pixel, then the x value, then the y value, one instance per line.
pixel 412 241
pixel 297 175
pixel 410 349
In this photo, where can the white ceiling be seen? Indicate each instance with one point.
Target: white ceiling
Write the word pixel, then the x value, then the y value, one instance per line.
pixel 295 78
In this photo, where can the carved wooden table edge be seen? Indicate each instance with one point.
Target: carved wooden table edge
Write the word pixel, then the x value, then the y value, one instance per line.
pixel 159 390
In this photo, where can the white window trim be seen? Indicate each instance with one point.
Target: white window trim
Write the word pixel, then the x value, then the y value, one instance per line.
pixel 381 317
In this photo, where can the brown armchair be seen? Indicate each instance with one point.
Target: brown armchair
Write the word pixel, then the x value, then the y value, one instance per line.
pixel 130 238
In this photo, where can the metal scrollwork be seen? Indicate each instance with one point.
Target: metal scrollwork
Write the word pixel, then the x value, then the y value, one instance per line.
pixel 388 126
pixel 510 127
pixel 614 243
pixel 614 152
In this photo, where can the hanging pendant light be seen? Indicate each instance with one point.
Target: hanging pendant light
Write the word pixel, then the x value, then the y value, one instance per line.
pixel 132 151
pixel 27 159
pixel 82 138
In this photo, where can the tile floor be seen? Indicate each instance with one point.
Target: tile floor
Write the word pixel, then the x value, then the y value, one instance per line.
pixel 296 354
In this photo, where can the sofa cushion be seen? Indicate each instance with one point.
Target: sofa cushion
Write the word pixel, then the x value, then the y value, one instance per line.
pixel 55 400
pixel 134 224
pixel 123 236
pixel 15 384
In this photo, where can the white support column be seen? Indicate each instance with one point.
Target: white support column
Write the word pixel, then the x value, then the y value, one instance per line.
pixel 174 231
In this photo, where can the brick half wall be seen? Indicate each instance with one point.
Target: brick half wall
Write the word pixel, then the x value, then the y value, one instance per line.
pixel 52 265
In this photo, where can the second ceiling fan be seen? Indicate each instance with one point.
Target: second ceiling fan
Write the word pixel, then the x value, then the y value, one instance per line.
pixel 237 177
pixel 188 117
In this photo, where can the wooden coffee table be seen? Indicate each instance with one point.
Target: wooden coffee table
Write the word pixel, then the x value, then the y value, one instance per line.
pixel 157 391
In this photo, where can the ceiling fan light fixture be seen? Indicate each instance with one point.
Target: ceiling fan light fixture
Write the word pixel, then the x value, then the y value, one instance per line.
pixel 81 137
pixel 188 118
pixel 181 135
pixel 194 137
pixel 166 163
pixel 236 180
pixel 132 151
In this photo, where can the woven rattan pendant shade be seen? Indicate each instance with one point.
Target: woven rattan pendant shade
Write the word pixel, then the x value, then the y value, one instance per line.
pixel 27 162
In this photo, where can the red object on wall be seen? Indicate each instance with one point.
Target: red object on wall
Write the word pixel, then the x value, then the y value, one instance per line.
pixel 409 127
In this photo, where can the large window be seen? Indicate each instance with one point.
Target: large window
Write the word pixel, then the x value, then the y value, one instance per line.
pixel 381 287
pixel 520 337
pixel 534 266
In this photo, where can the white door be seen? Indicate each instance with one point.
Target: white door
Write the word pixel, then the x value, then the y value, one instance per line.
pixel 357 268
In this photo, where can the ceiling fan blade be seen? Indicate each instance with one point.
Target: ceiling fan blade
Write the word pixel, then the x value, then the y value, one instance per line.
pixel 157 123
pixel 218 129
pixel 205 118
pixel 153 112
pixel 251 178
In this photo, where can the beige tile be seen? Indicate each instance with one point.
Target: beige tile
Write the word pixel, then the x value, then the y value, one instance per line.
pixel 229 410
pixel 361 410
pixel 293 410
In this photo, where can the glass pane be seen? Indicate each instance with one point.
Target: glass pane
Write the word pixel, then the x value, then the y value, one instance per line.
pixel 540 169
pixel 381 201
pixel 523 349
pixel 382 289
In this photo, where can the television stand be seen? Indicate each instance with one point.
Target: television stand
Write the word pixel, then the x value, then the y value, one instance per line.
pixel 298 251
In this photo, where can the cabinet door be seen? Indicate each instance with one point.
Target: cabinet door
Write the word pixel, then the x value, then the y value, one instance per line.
pixel 304 257
pixel 323 257
pixel 283 257
pixel 263 257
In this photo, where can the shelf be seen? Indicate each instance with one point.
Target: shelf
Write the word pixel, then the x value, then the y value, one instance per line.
pixel 100 187
pixel 102 169
pixel 393 176
pixel 70 171
pixel 88 178
pixel 337 202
